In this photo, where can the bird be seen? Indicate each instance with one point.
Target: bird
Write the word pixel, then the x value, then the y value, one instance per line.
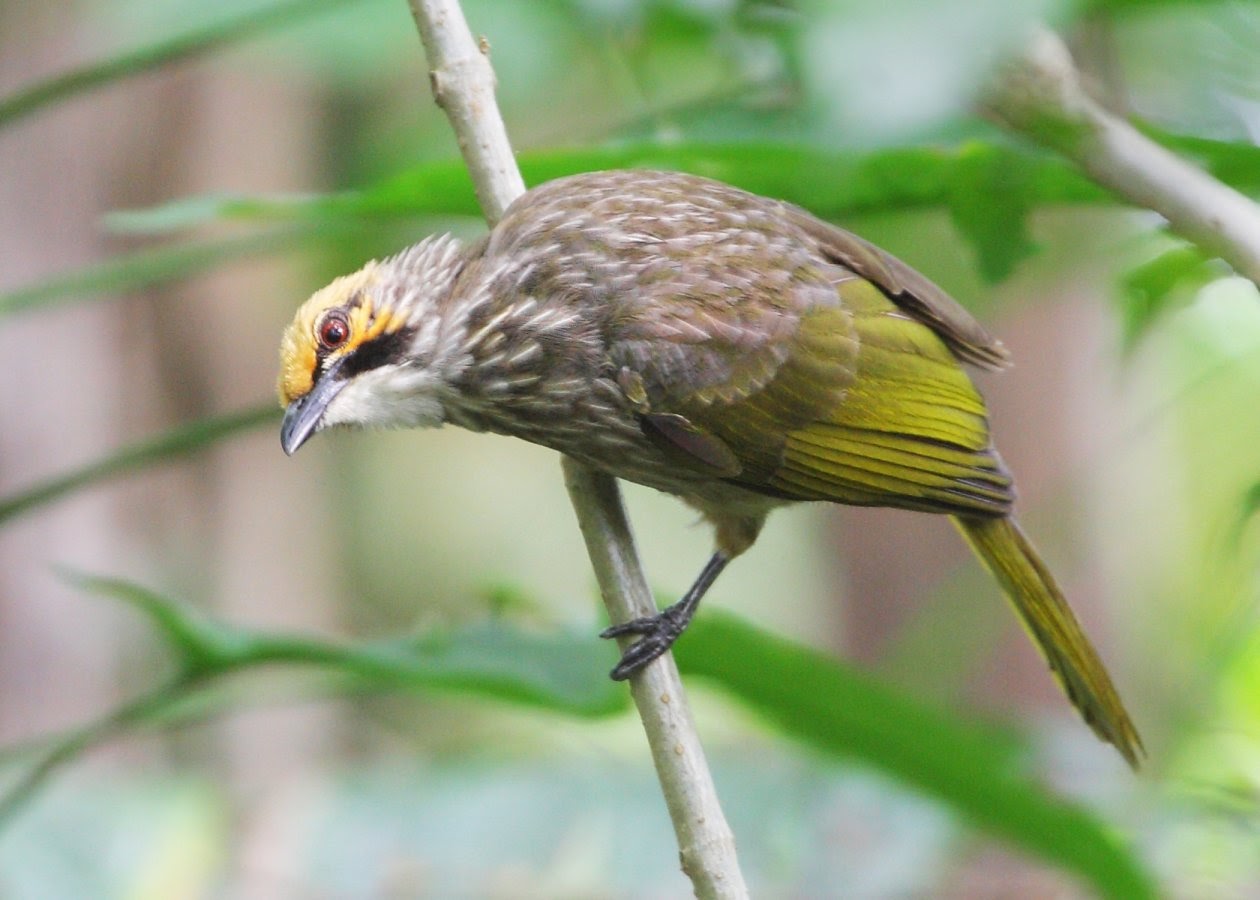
pixel 727 348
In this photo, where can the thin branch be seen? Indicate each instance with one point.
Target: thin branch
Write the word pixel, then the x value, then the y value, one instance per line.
pixel 706 844
pixel 463 85
pixel 1041 97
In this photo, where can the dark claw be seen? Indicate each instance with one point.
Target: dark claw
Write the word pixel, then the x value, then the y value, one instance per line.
pixel 659 633
pixel 644 625
pixel 661 630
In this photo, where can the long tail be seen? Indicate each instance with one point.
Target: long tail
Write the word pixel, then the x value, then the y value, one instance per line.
pixel 1009 555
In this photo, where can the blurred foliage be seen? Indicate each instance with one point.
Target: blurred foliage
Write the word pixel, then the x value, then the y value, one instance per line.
pixel 1150 289
pixel 175 443
pixel 857 111
pixel 805 694
pixel 183 46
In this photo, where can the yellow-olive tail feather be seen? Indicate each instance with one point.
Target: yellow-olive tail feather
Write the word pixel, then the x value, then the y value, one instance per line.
pixel 1009 555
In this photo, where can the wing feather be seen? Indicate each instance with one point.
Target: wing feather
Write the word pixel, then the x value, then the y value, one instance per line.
pixel 796 359
pixel 912 430
pixel 910 290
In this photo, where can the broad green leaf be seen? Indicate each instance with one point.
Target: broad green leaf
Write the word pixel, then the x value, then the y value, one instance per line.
pixel 975 770
pixel 561 671
pixel 142 59
pixel 201 647
pixel 1248 509
pixel 1234 162
pixel 991 195
pixel 179 441
pixel 1123 6
pixel 1149 290
pixel 832 185
pixel 564 672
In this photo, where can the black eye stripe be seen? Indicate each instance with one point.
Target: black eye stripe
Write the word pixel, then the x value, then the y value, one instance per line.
pixel 384 348
pixel 389 347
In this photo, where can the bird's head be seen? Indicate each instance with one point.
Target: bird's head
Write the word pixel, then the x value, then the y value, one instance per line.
pixel 369 349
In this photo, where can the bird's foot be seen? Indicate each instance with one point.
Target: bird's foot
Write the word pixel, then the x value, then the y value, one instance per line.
pixel 661 630
pixel 658 634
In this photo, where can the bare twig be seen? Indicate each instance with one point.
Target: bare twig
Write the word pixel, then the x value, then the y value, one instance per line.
pixel 1040 96
pixel 463 84
pixel 706 846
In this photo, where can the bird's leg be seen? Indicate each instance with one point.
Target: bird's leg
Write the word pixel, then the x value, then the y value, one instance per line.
pixel 661 630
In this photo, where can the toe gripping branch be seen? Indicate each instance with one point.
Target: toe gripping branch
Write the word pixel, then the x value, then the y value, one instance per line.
pixel 661 630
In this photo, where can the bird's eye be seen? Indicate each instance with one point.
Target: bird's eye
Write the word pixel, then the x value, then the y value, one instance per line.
pixel 333 331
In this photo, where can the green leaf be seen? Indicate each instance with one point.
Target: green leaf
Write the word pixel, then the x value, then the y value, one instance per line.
pixel 146 267
pixel 1124 6
pixel 975 770
pixel 1151 289
pixel 990 186
pixel 179 441
pixel 435 188
pixel 184 46
pixel 990 197
pixel 832 185
pixel 562 671
pixel 1236 163
pixel 203 649
pixel 1248 509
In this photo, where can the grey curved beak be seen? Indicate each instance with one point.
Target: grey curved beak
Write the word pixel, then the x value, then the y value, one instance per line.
pixel 303 415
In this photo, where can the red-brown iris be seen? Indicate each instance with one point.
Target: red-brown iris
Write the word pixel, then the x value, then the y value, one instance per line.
pixel 334 331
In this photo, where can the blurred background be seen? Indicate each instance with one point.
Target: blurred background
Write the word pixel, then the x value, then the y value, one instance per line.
pixel 1130 420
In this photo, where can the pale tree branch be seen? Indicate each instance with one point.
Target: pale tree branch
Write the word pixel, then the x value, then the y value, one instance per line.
pixel 706 846
pixel 1040 96
pixel 463 85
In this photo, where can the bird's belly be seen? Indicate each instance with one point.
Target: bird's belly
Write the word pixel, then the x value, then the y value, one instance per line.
pixel 599 432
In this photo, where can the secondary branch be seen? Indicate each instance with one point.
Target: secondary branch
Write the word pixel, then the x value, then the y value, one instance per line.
pixel 1041 97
